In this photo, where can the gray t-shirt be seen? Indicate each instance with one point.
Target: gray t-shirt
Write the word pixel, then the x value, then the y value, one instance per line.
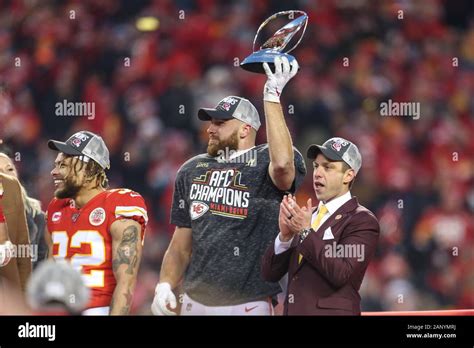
pixel 232 209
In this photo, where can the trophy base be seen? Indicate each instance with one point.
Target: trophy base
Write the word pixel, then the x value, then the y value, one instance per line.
pixel 254 62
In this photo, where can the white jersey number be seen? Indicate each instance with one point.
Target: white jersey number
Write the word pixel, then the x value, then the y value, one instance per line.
pixel 94 278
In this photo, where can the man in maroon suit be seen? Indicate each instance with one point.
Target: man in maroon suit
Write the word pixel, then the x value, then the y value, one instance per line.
pixel 325 250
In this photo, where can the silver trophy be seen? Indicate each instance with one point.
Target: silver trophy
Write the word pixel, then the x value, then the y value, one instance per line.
pixel 276 44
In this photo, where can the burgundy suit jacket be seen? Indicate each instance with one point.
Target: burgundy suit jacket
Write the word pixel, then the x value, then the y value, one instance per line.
pixel 328 279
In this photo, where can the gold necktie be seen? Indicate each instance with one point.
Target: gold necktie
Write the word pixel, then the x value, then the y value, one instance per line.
pixel 322 211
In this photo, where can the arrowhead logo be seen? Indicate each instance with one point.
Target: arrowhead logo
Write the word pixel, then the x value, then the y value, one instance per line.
pixel 198 209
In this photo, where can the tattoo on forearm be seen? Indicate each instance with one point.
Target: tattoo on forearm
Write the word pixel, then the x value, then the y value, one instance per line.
pixel 125 308
pixel 128 301
pixel 127 252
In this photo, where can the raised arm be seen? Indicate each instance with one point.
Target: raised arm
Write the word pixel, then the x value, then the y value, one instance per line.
pixel 282 167
pixel 126 255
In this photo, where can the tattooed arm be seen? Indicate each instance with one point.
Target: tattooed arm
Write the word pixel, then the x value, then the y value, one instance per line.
pixel 126 251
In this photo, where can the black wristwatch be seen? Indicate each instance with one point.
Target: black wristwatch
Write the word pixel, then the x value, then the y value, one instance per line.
pixel 304 233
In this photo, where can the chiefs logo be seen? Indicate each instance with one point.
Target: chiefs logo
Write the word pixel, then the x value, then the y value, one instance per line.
pixel 338 144
pixel 78 138
pixel 226 106
pixel 97 216
pixel 76 142
pixel 227 103
pixel 198 209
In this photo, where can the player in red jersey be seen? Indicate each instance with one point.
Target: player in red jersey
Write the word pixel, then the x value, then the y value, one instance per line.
pixel 99 231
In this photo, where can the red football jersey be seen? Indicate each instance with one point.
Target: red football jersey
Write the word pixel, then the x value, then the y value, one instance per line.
pixel 82 236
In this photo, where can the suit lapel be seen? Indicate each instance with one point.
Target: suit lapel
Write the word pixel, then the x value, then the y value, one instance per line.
pixel 338 216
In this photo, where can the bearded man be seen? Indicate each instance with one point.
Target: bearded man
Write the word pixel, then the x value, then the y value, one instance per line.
pixel 100 231
pixel 225 208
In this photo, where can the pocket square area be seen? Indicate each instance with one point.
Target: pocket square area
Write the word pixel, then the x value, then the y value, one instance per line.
pixel 328 234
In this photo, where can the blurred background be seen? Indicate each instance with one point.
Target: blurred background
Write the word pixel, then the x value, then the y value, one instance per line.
pixel 148 78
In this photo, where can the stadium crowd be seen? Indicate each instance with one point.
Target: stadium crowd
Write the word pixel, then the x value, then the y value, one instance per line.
pixel 417 174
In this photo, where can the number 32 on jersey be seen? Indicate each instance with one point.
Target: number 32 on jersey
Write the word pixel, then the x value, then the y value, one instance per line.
pixel 96 256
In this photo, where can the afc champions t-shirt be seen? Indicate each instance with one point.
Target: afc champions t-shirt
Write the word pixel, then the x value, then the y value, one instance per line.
pixel 232 208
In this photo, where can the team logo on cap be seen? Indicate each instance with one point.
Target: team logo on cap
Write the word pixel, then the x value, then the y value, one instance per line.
pixel 198 209
pixel 76 142
pixel 226 106
pixel 338 144
pixel 227 103
pixel 79 138
pixel 97 216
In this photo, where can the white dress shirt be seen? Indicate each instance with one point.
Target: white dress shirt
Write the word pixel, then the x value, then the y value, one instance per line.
pixel 332 206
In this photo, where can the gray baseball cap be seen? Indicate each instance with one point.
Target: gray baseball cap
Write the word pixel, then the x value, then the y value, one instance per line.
pixel 233 107
pixel 84 143
pixel 338 149
pixel 57 284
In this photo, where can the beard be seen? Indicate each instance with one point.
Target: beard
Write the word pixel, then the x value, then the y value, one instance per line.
pixel 70 189
pixel 231 143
